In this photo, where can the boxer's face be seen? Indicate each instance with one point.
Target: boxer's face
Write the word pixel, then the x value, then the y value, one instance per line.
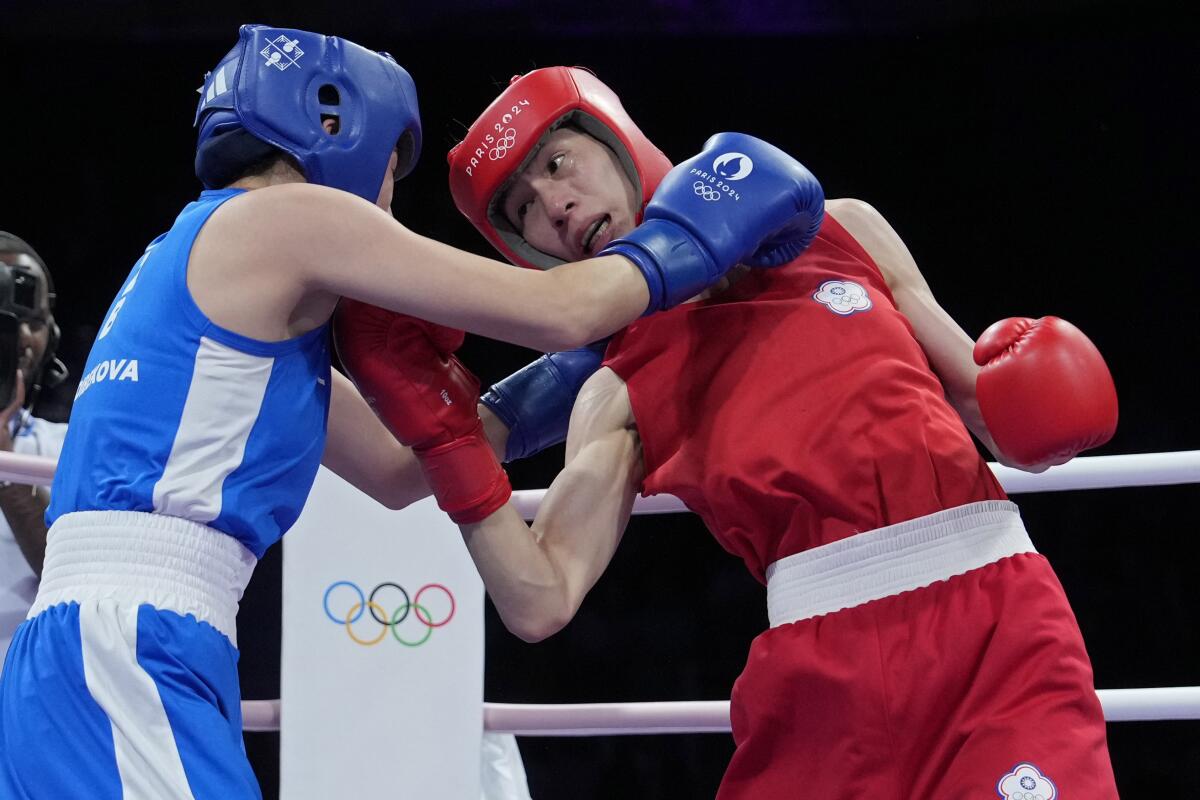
pixel 573 198
pixel 34 331
pixel 386 189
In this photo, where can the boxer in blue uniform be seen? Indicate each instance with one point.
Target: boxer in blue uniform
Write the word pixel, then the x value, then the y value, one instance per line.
pixel 205 403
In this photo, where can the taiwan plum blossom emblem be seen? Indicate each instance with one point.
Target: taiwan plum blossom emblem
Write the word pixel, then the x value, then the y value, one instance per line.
pixel 1026 782
pixel 843 297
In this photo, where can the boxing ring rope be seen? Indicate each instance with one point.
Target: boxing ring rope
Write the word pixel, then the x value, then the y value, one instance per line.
pixel 712 716
pixel 1095 472
pixel 1089 472
pixel 1092 472
pixel 20 468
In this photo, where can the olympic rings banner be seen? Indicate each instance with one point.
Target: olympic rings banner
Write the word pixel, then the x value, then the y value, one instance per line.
pixel 410 608
pixel 382 627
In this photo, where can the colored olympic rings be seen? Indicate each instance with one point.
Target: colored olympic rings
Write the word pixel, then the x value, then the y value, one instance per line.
pixel 388 621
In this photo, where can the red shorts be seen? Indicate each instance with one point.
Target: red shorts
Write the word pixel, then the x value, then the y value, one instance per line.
pixel 973 687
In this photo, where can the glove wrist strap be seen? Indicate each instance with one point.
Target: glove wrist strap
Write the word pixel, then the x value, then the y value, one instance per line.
pixel 674 263
pixel 465 477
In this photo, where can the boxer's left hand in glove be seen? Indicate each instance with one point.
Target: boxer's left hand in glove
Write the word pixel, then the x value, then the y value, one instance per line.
pixel 1045 392
pixel 406 370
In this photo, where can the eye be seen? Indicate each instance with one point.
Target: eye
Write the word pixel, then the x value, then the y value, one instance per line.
pixel 522 209
pixel 554 163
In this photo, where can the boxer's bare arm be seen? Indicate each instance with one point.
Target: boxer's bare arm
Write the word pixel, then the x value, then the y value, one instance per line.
pixel 274 261
pixel 364 453
pixel 538 575
pixel 945 343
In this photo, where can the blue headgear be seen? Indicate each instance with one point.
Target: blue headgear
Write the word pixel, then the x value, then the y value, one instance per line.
pixel 277 85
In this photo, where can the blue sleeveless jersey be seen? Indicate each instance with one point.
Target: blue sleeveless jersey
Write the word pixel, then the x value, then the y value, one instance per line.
pixel 178 416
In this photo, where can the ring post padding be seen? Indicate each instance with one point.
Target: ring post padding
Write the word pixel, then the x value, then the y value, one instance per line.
pixel 382 630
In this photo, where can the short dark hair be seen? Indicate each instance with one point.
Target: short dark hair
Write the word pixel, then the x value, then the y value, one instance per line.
pixel 265 164
pixel 235 154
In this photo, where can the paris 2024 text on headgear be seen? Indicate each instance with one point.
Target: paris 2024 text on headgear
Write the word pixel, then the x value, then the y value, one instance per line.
pixel 506 136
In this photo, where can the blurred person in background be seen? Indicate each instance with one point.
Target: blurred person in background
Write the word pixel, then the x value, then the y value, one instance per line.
pixel 28 341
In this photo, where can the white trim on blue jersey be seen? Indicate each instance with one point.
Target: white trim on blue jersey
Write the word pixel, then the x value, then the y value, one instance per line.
pixel 211 440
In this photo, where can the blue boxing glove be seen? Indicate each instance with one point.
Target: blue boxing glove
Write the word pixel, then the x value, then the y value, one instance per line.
pixel 740 201
pixel 535 401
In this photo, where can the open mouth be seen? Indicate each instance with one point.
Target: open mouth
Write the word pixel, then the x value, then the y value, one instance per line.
pixel 594 232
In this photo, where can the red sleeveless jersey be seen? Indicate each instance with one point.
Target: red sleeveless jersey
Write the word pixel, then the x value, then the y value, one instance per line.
pixel 796 408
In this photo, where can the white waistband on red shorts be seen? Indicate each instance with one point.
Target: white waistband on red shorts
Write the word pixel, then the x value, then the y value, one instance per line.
pixel 887 561
pixel 133 558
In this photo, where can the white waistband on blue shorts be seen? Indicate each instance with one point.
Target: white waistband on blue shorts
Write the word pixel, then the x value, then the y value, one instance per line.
pixel 132 558
pixel 887 561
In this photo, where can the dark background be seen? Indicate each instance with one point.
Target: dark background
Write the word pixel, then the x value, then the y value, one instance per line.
pixel 1037 157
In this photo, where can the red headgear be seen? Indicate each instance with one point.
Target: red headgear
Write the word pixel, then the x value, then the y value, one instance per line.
pixel 507 134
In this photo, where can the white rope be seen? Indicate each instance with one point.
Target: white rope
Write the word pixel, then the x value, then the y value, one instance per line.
pixel 20 468
pixel 712 716
pixel 260 716
pixel 1144 705
pixel 1105 472
pixel 607 719
pixel 1088 472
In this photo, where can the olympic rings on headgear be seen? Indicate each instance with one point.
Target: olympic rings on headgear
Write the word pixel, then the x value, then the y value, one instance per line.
pixel 505 143
pixel 380 614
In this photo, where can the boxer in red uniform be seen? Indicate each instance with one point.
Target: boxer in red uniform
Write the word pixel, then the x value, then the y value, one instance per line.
pixel 816 417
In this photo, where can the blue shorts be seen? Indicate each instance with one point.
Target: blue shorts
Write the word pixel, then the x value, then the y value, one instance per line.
pixel 107 697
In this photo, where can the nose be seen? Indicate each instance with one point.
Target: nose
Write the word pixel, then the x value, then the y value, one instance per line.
pixel 30 338
pixel 559 202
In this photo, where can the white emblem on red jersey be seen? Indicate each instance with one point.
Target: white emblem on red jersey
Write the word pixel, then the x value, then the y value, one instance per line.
pixel 843 297
pixel 1026 782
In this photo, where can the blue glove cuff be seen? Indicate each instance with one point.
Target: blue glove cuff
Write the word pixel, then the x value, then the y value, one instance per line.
pixel 497 399
pixel 675 265
pixel 535 402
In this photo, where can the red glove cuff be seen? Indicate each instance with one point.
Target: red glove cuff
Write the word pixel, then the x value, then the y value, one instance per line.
pixel 465 476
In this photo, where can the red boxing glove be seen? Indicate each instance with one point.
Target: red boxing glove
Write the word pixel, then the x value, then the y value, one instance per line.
pixel 407 372
pixel 1044 391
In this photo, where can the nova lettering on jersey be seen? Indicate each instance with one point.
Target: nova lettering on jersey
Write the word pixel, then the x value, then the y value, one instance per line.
pixel 114 369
